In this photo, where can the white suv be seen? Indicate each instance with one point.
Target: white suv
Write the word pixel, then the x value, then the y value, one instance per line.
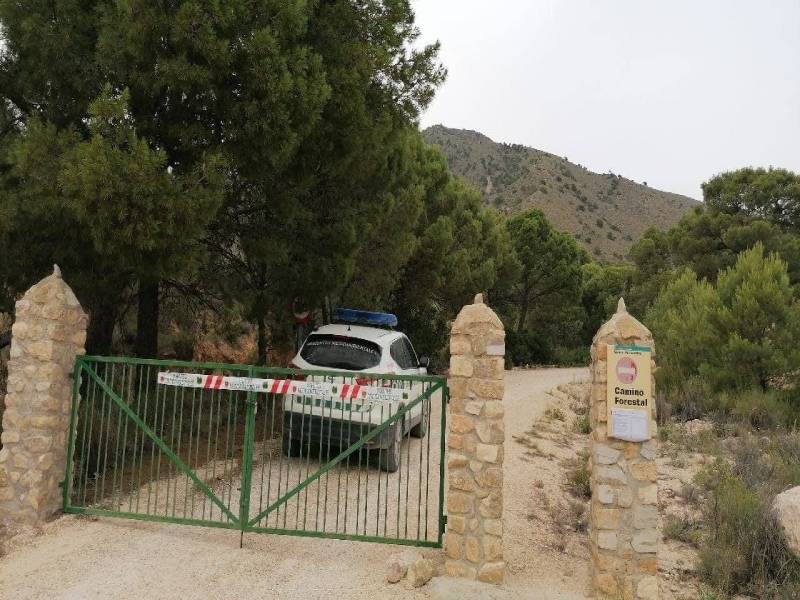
pixel 364 343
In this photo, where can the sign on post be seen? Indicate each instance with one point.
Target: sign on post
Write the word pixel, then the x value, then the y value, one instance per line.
pixel 629 393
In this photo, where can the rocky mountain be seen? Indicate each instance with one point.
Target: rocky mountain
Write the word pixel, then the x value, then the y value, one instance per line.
pixel 606 212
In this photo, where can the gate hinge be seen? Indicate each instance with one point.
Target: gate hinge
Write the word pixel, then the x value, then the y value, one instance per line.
pixel 62 483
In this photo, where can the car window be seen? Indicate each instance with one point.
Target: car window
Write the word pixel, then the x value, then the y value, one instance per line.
pixel 341 352
pixel 411 353
pixel 401 355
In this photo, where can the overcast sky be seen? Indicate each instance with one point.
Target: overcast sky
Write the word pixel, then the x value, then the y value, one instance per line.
pixel 669 92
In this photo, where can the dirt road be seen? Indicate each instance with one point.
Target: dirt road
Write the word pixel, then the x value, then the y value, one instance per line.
pixel 76 558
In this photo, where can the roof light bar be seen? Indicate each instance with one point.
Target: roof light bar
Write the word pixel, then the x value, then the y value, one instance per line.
pixel 364 317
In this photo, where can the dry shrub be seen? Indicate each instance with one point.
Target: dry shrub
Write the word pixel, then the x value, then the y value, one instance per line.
pixel 743 550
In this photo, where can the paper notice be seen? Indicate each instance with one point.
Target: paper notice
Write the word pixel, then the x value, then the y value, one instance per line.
pixel 630 425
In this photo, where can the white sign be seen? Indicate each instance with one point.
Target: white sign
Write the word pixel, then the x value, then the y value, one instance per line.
pixel 630 425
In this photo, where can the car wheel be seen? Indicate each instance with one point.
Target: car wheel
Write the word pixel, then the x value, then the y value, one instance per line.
pixel 390 457
pixel 421 429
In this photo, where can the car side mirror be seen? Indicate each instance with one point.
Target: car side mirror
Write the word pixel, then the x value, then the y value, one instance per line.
pixel 424 362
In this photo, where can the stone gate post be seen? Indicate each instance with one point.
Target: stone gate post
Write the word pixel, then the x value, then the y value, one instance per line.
pixel 624 533
pixel 474 538
pixel 48 333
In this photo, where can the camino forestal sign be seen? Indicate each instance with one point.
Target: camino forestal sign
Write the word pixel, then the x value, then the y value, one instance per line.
pixel 629 394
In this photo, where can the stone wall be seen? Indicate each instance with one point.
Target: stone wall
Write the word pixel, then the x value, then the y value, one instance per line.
pixel 624 508
pixel 49 332
pixel 474 538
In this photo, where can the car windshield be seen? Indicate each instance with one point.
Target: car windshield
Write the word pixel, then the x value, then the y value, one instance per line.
pixel 341 352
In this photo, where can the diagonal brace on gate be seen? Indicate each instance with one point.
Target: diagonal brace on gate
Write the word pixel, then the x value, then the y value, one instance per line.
pixel 344 454
pixel 182 466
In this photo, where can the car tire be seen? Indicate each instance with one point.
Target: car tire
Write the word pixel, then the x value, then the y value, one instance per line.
pixel 289 445
pixel 390 456
pixel 420 430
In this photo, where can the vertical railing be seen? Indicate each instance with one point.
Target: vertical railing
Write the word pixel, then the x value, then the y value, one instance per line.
pixel 140 449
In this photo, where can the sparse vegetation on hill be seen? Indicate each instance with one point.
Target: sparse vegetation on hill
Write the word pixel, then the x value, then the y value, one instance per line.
pixel 606 212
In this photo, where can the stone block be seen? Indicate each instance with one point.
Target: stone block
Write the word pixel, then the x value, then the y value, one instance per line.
pixel 649 450
pixel 456 523
pixel 453 545
pixel 648 494
pixel 9 437
pixel 491 478
pixel 492 506
pixel 609 474
pixel 474 407
pixel 645 541
pixel 493 572
pixel 647 589
pixel 645 470
pixel 459 503
pixel 492 548
pixel 606 584
pixel 461 423
pixel 472 549
pixel 459 569
pixel 607 540
pixel 459 480
pixel 488 453
pixel 490 367
pixel 420 573
pixel 624 497
pixel 604 493
pixel 461 366
pixel 460 344
pixel 493 410
pixel 645 517
pixel 606 518
pixel 491 526
pixel 487 389
pixel 604 454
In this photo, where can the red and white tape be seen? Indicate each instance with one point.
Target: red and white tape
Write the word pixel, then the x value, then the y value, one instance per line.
pixel 344 391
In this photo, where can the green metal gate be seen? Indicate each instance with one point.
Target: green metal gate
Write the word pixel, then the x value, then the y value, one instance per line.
pixel 310 453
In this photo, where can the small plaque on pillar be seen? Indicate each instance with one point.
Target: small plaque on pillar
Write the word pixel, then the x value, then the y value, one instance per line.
pixel 629 393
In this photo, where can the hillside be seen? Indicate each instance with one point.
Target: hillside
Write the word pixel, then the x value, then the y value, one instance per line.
pixel 607 213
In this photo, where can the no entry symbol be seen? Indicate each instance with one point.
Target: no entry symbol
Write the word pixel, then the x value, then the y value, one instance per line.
pixel 626 370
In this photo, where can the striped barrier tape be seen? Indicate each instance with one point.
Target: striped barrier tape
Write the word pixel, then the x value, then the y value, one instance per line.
pixel 345 391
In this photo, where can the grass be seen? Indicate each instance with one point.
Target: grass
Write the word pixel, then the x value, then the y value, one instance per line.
pixel 582 425
pixel 682 529
pixel 578 476
pixel 555 414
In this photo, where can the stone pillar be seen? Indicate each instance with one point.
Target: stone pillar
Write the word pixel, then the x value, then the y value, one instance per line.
pixel 474 538
pixel 624 508
pixel 48 333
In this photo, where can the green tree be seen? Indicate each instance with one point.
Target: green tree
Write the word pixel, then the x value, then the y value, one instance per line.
pixel 602 287
pixel 707 241
pixel 736 334
pixel 769 194
pixel 551 265
pixel 239 78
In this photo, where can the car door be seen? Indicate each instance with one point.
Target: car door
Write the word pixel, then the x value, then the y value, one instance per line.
pixel 403 354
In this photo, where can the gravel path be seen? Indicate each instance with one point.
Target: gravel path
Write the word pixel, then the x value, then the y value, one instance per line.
pixel 76 558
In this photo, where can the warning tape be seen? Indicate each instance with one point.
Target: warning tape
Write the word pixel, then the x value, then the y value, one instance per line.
pixel 345 391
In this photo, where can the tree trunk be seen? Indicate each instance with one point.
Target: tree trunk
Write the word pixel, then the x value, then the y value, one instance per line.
pixel 147 320
pixel 100 331
pixel 523 313
pixel 262 340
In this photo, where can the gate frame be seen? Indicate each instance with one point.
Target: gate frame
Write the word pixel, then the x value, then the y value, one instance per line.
pixel 243 522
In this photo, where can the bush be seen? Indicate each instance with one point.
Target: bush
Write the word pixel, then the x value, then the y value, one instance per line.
pixel 743 550
pixel 578 480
